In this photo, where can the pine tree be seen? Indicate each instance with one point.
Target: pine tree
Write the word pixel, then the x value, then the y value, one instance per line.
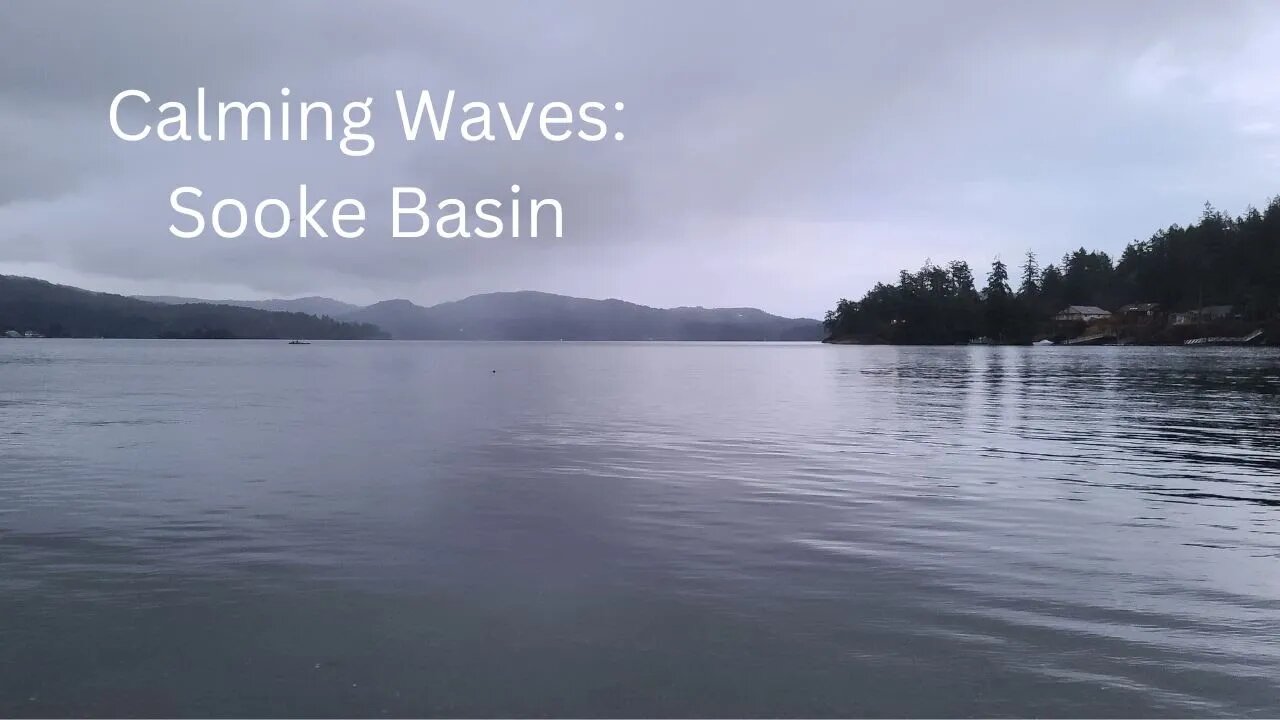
pixel 1030 276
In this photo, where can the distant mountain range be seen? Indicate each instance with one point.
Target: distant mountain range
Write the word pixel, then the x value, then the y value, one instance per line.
pixel 37 306
pixel 532 315
pixel 319 306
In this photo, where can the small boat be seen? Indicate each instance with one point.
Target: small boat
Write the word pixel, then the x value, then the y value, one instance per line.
pixel 1044 343
pixel 299 342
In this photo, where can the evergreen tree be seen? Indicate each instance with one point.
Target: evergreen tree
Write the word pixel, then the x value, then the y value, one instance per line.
pixel 998 301
pixel 1030 276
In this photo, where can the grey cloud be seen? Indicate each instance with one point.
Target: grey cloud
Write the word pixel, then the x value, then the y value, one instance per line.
pixel 781 157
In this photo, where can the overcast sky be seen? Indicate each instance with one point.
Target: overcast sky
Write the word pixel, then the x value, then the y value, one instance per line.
pixel 781 156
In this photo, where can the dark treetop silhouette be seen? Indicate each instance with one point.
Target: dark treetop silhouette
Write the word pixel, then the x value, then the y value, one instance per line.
pixel 1218 262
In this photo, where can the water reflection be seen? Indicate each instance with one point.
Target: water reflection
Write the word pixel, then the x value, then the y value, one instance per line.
pixel 637 529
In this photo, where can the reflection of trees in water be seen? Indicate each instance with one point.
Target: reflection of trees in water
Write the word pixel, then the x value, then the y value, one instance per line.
pixel 1166 417
pixel 931 388
pixel 1195 418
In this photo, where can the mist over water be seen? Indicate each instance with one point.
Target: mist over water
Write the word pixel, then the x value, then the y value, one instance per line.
pixel 249 528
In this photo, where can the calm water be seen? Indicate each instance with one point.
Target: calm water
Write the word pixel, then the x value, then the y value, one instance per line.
pixel 242 528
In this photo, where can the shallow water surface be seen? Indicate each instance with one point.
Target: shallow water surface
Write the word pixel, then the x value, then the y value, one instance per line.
pixel 250 528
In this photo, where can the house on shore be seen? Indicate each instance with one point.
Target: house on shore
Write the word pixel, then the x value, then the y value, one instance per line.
pixel 1212 313
pixel 1081 314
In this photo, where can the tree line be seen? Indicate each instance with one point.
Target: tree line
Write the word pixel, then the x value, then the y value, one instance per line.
pixel 1219 260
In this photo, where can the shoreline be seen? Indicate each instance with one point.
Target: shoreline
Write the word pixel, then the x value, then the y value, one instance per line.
pixel 1190 346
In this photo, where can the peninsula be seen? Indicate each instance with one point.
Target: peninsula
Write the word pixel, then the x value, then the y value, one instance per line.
pixel 1216 279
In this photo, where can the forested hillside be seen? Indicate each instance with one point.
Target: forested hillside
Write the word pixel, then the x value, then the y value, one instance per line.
pixel 1218 261
pixel 30 305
